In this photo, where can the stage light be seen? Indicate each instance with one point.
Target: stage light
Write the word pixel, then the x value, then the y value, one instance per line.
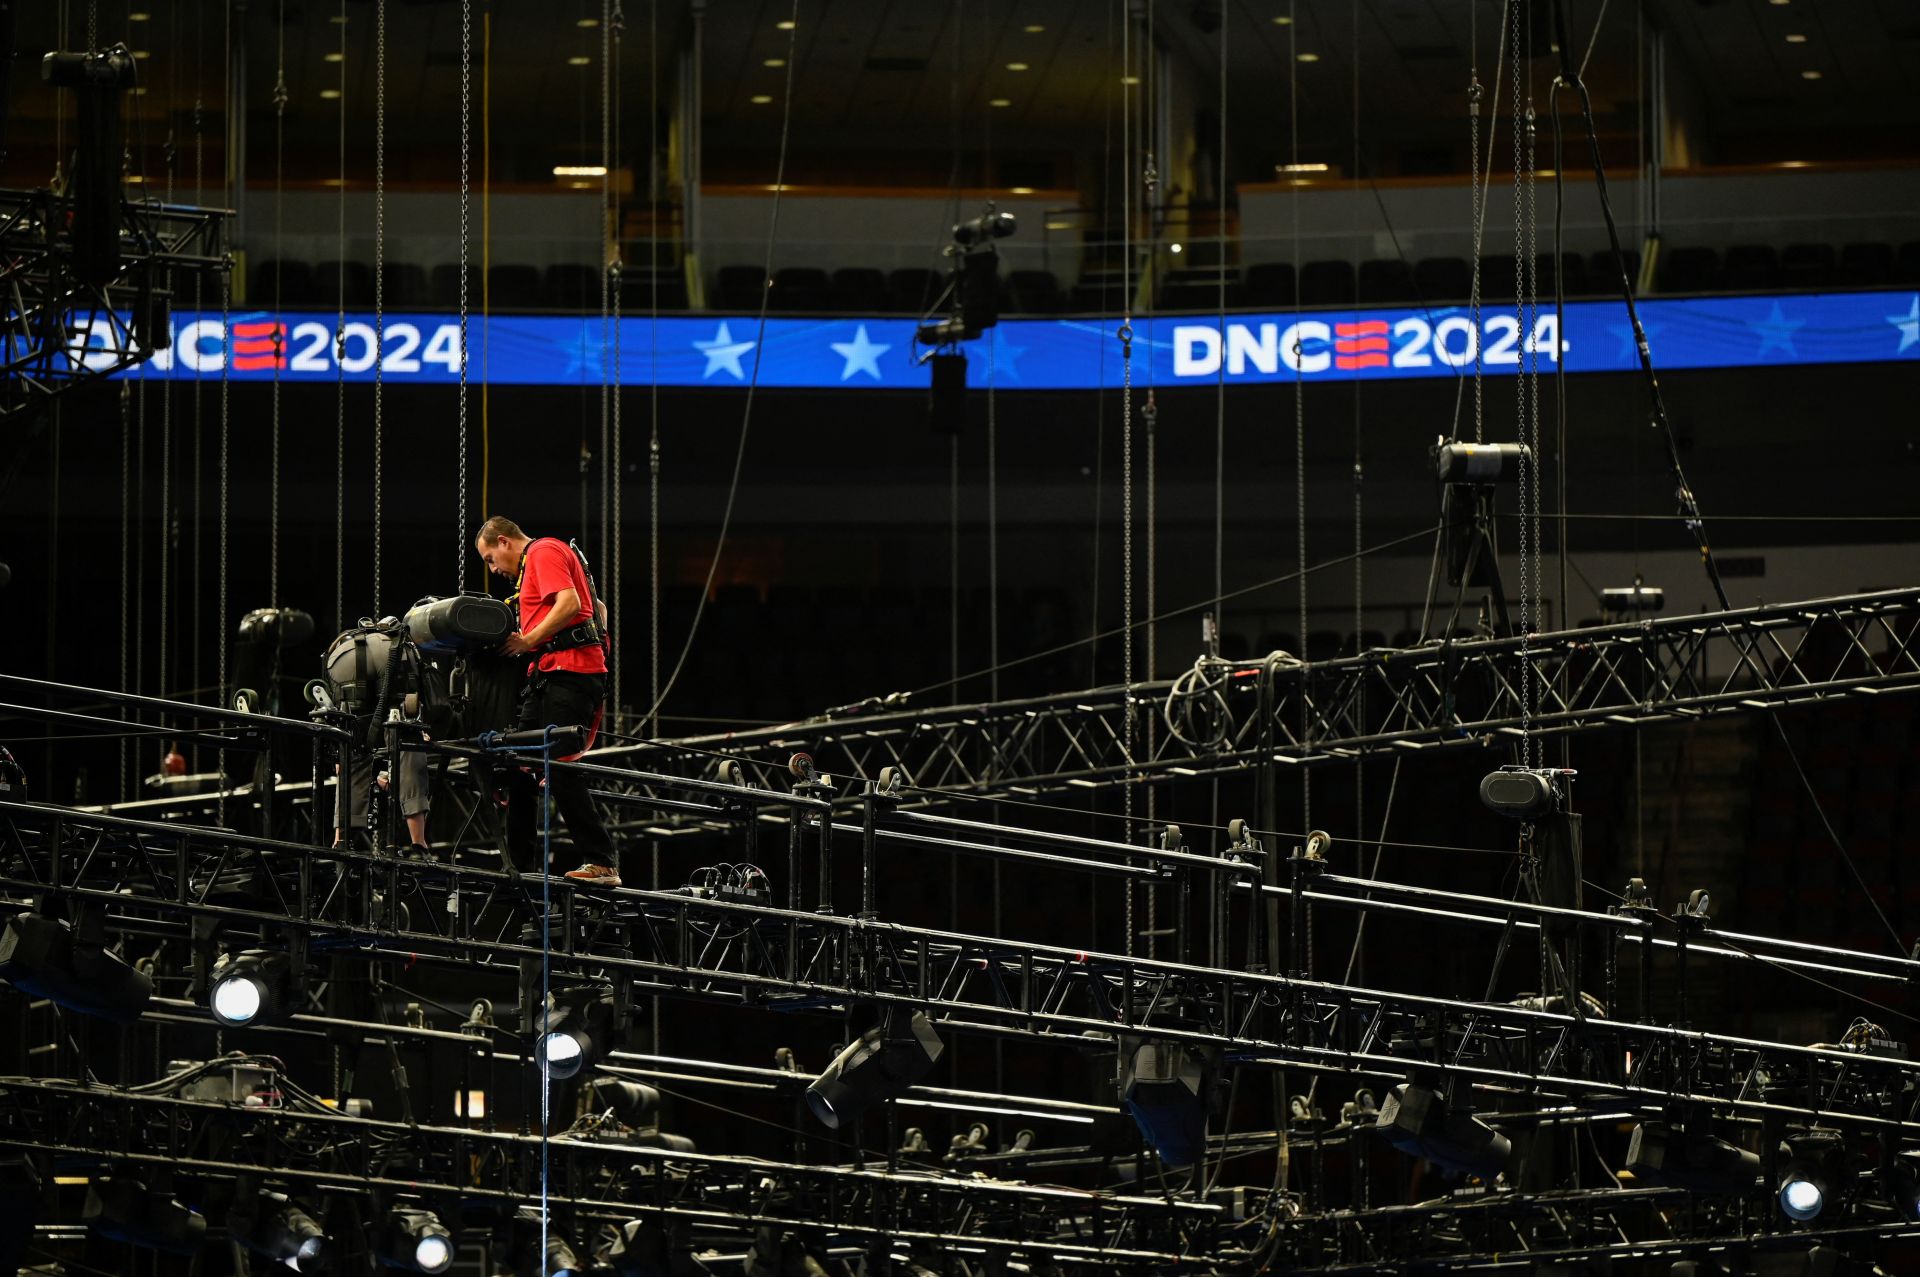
pixel 1309 57
pixel 1416 1119
pixel 415 1239
pixel 761 99
pixel 250 987
pixel 1697 1161
pixel 540 1251
pixel 1805 1179
pixel 575 1030
pixel 1903 1189
pixel 1163 1087
pixel 647 1248
pixel 43 956
pixel 635 1104
pixel 274 1225
pixel 880 1064
pixel 125 1210
pixel 778 1254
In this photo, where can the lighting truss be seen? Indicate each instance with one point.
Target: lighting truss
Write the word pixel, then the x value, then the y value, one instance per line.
pixel 57 331
pixel 149 880
pixel 604 1180
pixel 1460 693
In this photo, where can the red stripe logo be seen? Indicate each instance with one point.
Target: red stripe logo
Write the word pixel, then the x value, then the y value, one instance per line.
pixel 260 344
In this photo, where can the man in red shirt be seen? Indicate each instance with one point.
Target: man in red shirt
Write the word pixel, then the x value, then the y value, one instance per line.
pixel 566 686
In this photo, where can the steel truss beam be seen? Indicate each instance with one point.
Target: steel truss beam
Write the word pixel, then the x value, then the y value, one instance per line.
pixel 152 879
pixel 1379 701
pixel 56 330
pixel 601 1179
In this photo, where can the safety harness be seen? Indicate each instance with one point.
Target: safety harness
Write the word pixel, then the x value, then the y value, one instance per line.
pixel 587 633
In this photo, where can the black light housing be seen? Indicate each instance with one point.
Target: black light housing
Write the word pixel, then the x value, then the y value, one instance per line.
pixel 576 1030
pixel 44 956
pixel 414 1239
pixel 539 1251
pixel 1693 1160
pixel 634 1104
pixel 251 987
pixel 1902 1185
pixel 274 1225
pixel 1417 1119
pixel 647 1248
pixel 126 1210
pixel 1806 1181
pixel 880 1064
pixel 1163 1087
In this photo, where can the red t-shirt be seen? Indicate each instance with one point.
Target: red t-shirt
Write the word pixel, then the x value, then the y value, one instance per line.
pixel 549 568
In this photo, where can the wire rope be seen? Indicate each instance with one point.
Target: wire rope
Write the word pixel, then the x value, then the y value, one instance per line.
pixel 379 282
pixel 339 358
pixel 1299 394
pixel 1125 335
pixel 462 529
pixel 614 268
pixel 279 335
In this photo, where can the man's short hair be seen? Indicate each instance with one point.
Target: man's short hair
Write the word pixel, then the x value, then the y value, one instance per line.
pixel 496 527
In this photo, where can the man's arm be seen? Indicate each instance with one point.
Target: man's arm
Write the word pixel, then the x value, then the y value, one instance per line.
pixel 566 608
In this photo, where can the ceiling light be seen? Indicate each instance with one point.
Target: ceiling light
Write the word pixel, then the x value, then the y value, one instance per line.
pixel 579 170
pixel 329 94
pixel 138 17
pixel 1782 1
pixel 1020 190
pixel 1309 57
pixel 142 53
pixel 1034 28
pixel 1795 38
pixel 1016 66
pixel 139 92
pixel 587 22
pixel 1809 75
pixel 1001 102
pixel 334 57
pixel 774 62
pixel 761 99
pixel 338 19
pixel 784 25
pixel 1173 248
pixel 1310 167
pixel 579 61
pixel 1129 79
pixel 1283 21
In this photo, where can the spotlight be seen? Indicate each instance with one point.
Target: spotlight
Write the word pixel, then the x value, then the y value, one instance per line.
pixel 274 1225
pixel 125 1210
pixel 880 1064
pixel 1163 1087
pixel 647 1248
pixel 1903 1189
pixel 415 1239
pixel 1806 1172
pixel 989 225
pixel 1699 1162
pixel 633 1103
pixel 1416 1119
pixel 538 1250
pixel 250 987
pixel 778 1254
pixel 43 956
pixel 575 1030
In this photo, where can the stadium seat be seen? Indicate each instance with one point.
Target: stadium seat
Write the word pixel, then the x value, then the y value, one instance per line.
pixel 1327 284
pixel 1750 268
pixel 513 287
pixel 1033 292
pixel 1807 266
pixel 1443 279
pixel 738 288
pixel 295 284
pixel 858 290
pixel 799 288
pixel 1385 281
pixel 1690 270
pixel 1270 284
pixel 1866 265
pixel 573 286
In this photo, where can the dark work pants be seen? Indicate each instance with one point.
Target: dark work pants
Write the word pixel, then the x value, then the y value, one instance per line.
pixel 565 700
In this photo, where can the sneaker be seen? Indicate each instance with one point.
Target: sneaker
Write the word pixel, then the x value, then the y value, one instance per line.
pixel 594 876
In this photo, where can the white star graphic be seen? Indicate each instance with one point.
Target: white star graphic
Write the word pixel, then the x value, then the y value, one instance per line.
pixel 1908 324
pixel 861 355
pixel 723 352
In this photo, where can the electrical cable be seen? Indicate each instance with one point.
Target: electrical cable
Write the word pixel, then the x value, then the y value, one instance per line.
pixel 753 381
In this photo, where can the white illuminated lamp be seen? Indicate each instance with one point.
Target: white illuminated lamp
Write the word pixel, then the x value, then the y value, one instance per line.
pixel 560 1055
pixel 1801 1198
pixel 432 1253
pixel 236 1000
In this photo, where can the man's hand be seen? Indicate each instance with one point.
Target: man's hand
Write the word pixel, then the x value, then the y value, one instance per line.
pixel 516 645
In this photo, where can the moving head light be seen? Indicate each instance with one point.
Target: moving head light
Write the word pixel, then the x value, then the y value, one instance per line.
pixel 1417 1119
pixel 45 957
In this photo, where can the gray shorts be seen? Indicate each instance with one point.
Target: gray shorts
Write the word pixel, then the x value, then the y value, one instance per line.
pixel 413 787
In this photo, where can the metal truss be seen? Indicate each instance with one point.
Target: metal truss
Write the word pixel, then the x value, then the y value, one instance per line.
pixel 1255 713
pixel 168 879
pixel 56 330
pixel 594 1179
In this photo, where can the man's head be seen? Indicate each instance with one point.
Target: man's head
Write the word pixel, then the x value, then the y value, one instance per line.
pixel 500 543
